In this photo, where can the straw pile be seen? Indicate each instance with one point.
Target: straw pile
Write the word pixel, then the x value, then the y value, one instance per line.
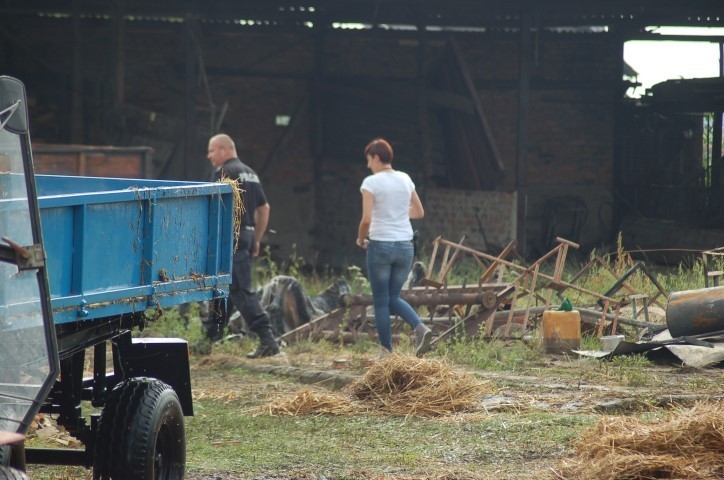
pixel 398 385
pixel 239 208
pixel 689 443
pixel 310 401
pixel 406 385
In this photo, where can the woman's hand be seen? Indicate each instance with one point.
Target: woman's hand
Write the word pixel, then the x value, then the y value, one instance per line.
pixel 363 244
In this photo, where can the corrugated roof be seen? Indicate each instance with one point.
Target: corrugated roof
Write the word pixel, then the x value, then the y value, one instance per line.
pixel 435 14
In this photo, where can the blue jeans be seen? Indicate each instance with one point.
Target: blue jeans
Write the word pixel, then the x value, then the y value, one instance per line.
pixel 388 264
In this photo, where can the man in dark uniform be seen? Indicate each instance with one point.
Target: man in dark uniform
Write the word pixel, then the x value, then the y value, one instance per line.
pixel 222 155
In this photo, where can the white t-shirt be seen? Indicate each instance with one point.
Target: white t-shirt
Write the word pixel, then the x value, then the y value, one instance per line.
pixel 392 192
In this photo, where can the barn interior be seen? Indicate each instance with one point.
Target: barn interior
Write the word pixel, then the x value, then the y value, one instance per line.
pixel 511 117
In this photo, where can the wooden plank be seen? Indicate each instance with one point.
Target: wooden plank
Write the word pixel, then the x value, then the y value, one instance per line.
pixel 518 287
pixel 561 285
pixel 471 324
pixel 331 320
pixel 473 92
pixel 614 324
pixel 446 267
pixel 530 301
pixel 431 265
pixel 495 265
pixel 602 321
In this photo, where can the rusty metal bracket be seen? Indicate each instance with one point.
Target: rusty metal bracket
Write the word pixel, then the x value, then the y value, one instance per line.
pixel 25 258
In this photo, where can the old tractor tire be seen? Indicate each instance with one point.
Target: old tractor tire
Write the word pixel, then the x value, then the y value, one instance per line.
pixel 7 473
pixel 141 434
pixel 5 454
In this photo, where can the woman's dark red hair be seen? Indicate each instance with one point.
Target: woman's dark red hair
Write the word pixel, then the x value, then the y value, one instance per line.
pixel 381 148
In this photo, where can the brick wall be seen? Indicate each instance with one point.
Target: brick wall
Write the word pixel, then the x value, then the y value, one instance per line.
pixel 261 75
pixel 487 219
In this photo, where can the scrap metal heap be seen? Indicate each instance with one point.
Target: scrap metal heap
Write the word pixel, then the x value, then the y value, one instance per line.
pixel 500 304
pixel 509 295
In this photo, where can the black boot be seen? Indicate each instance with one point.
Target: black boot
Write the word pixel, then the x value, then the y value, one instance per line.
pixel 268 346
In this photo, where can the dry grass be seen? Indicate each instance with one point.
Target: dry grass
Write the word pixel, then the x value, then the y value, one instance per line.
pixel 399 385
pixel 406 385
pixel 439 474
pixel 310 401
pixel 689 443
pixel 239 208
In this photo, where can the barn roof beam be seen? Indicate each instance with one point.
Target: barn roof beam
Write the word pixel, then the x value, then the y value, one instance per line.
pixel 430 13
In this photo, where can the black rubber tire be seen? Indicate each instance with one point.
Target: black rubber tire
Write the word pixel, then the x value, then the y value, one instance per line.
pixel 7 473
pixel 5 454
pixel 141 434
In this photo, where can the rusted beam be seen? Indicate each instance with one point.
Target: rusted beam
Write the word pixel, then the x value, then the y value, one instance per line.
pixel 472 323
pixel 433 297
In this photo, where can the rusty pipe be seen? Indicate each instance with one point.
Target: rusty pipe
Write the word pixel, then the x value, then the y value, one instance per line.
pixel 695 312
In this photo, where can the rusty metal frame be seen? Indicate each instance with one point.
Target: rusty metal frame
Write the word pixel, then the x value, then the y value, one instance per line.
pixel 529 282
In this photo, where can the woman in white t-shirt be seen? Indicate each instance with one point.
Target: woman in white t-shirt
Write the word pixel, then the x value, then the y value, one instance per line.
pixel 389 201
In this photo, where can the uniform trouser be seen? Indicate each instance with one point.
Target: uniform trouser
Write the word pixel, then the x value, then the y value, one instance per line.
pixel 241 295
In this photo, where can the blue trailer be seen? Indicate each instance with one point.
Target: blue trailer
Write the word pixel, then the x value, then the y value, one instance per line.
pixel 82 262
pixel 118 246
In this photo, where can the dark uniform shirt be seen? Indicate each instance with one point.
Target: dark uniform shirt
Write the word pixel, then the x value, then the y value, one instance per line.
pixel 253 193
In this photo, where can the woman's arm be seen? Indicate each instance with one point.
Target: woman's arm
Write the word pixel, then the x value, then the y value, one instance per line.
pixel 368 200
pixel 416 210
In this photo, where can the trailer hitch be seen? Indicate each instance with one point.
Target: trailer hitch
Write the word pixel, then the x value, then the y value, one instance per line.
pixel 26 258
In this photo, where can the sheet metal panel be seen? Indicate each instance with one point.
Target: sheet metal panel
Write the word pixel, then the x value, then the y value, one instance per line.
pixel 118 246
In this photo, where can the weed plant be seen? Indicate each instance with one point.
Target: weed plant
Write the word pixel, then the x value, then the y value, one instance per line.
pixel 513 355
pixel 313 278
pixel 625 370
pixel 171 323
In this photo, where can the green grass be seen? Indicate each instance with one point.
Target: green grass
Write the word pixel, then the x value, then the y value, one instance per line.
pixel 336 445
pixel 513 356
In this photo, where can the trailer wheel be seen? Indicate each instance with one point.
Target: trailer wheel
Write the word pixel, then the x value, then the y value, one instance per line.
pixel 141 433
pixel 7 473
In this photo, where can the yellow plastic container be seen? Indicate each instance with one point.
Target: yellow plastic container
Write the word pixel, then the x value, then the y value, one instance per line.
pixel 561 331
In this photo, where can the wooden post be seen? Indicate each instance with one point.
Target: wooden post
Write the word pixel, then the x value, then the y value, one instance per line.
pixel 119 61
pixel 531 295
pixel 521 165
pixel 495 265
pixel 447 266
pixel 614 324
pixel 602 322
pixel 425 143
pixel 431 265
pixel 76 109
pixel 520 286
pixel 189 96
pixel 563 245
